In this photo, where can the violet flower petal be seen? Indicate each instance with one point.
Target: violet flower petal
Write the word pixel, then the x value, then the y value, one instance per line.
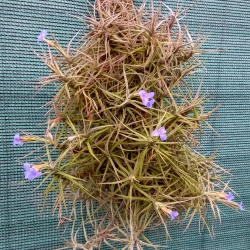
pixel 26 166
pixel 162 130
pixel 156 132
pixel 150 103
pixel 163 137
pixel 145 101
pixel 173 214
pixel 42 35
pixel 17 141
pixel 150 95
pixel 146 98
pixel 229 196
pixel 142 93
pixel 30 173
pixel 38 174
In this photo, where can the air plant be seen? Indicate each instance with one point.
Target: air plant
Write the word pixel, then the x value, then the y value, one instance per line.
pixel 125 121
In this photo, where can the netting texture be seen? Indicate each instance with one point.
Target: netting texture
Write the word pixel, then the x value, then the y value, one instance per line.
pixel 227 78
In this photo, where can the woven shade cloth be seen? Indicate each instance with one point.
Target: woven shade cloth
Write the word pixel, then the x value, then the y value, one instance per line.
pixel 227 78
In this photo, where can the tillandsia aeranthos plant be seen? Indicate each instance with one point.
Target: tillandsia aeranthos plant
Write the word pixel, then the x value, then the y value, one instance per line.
pixel 125 122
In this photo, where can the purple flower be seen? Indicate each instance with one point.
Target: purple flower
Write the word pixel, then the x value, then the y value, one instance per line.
pixel 173 214
pixel 240 206
pixel 17 140
pixel 160 132
pixel 41 36
pixel 145 97
pixel 150 103
pixel 229 196
pixel 30 173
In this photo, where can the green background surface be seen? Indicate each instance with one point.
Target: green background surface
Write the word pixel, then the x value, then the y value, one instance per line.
pixel 227 78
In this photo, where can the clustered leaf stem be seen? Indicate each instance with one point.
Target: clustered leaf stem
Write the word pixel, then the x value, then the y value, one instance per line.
pixel 125 121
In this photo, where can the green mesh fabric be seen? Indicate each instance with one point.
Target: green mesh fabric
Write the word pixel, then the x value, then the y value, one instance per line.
pixel 22 227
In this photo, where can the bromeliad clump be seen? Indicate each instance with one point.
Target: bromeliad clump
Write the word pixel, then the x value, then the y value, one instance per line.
pixel 126 122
